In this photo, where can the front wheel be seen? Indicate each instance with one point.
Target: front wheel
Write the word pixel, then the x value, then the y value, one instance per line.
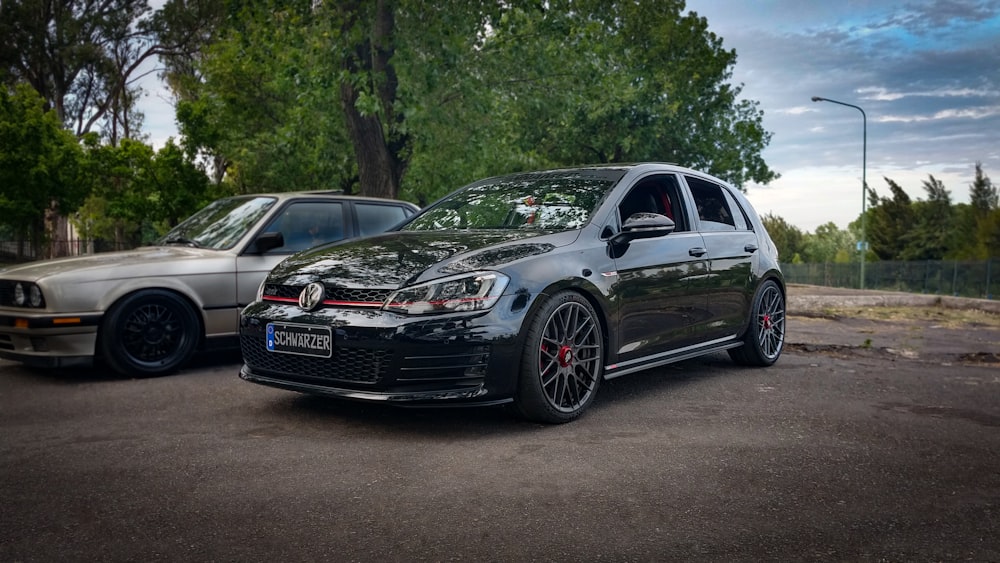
pixel 765 335
pixel 562 360
pixel 149 333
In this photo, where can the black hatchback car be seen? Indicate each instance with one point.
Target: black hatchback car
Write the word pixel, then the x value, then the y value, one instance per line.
pixel 527 289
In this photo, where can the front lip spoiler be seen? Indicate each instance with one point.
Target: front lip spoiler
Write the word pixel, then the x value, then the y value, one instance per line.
pixel 469 397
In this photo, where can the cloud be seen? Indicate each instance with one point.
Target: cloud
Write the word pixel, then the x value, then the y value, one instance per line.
pixel 884 94
pixel 981 112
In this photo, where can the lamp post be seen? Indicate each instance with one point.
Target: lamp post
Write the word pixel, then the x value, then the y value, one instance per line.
pixel 864 185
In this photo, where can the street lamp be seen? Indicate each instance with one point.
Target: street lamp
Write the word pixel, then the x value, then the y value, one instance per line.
pixel 864 186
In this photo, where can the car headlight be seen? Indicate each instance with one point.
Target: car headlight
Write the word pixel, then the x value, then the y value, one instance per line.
pixel 467 292
pixel 28 295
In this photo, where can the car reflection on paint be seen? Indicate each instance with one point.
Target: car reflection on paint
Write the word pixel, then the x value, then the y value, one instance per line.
pixel 528 289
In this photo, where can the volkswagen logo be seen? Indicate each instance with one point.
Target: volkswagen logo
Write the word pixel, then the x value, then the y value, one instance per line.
pixel 311 296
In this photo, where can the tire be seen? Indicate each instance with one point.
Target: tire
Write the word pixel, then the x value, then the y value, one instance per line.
pixel 765 334
pixel 149 333
pixel 562 361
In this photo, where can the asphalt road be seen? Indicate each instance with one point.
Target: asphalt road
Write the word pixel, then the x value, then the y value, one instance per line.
pixel 845 450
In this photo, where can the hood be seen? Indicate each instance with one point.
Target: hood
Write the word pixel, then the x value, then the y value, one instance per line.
pixel 401 258
pixel 143 261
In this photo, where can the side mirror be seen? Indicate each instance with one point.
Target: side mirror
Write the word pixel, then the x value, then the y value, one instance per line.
pixel 644 225
pixel 268 241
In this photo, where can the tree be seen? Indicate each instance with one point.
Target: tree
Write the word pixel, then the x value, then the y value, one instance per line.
pixel 982 193
pixel 889 221
pixel 422 96
pixel 191 26
pixel 77 54
pixel 787 237
pixel 595 81
pixel 989 234
pixel 973 220
pixel 39 166
pixel 137 194
pixel 828 244
pixel 932 236
pixel 265 108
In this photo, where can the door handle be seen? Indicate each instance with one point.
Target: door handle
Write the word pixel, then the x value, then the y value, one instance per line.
pixel 751 248
pixel 698 251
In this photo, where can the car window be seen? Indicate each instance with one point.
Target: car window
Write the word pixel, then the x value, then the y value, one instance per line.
pixel 714 213
pixel 658 194
pixel 306 224
pixel 220 224
pixel 739 216
pixel 374 218
pixel 554 200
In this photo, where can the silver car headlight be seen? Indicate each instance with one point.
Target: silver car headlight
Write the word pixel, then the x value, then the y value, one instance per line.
pixel 466 292
pixel 28 295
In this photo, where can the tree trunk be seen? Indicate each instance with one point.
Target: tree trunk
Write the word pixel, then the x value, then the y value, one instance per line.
pixel 378 146
pixel 376 166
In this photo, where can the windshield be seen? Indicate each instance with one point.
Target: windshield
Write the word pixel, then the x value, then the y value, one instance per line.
pixel 558 200
pixel 220 224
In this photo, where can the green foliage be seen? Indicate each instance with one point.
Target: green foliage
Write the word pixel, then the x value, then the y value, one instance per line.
pixel 293 94
pixel 976 235
pixel 899 228
pixel 137 194
pixel 787 237
pixel 828 244
pixel 599 81
pixel 267 102
pixel 982 193
pixel 39 164
pixel 988 232
pixel 889 222
pixel 932 236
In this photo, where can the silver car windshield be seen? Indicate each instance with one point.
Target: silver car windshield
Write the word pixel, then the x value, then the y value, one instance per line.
pixel 545 201
pixel 220 224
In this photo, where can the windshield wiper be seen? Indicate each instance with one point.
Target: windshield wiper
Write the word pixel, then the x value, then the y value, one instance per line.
pixel 182 240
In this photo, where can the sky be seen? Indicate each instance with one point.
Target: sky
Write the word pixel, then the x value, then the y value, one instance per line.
pixel 926 73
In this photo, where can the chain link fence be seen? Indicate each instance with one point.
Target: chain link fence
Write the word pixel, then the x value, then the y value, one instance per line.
pixel 979 279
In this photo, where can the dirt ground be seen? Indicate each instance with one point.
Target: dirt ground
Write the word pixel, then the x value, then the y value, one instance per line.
pixel 839 322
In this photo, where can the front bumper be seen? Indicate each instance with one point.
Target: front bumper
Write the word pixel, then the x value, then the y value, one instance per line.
pixel 458 358
pixel 49 348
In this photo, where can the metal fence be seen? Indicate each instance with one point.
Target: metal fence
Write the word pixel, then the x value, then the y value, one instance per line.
pixel 940 277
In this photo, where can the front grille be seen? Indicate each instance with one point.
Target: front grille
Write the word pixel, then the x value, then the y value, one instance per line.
pixel 340 294
pixel 445 364
pixel 348 365
pixel 6 342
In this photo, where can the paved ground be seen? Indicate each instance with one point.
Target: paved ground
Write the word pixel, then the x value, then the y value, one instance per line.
pixel 876 437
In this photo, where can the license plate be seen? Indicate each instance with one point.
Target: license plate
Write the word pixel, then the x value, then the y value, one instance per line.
pixel 304 340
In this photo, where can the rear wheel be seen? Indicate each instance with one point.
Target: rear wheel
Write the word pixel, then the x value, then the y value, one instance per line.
pixel 765 335
pixel 149 333
pixel 561 364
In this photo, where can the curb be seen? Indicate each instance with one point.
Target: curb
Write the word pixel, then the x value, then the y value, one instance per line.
pixel 812 298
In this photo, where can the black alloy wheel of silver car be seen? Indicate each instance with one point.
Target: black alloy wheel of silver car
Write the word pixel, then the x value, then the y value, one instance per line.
pixel 562 362
pixel 765 335
pixel 149 333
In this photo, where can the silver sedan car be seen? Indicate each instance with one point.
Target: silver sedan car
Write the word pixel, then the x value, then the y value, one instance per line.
pixel 145 312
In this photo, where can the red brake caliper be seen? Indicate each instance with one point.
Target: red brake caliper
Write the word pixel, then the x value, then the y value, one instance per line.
pixel 767 322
